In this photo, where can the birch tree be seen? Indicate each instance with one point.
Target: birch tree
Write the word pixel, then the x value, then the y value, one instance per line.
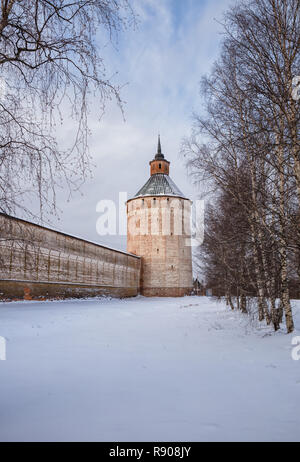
pixel 51 69
pixel 251 122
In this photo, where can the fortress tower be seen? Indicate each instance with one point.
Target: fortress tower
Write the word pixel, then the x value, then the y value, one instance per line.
pixel 158 230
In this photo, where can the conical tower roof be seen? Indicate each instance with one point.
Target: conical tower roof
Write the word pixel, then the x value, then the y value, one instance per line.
pixel 159 184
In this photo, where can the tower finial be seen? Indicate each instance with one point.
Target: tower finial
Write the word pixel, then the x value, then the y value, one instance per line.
pixel 158 145
pixel 159 154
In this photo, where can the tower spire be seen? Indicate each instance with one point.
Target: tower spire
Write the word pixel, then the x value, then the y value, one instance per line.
pixel 158 145
pixel 159 154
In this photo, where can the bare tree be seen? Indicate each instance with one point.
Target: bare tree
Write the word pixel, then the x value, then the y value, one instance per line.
pixel 50 64
pixel 251 137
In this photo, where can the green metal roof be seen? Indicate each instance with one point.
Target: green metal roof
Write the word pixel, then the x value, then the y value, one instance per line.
pixel 160 185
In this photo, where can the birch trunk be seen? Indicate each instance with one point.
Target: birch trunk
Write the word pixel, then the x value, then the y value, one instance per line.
pixel 285 298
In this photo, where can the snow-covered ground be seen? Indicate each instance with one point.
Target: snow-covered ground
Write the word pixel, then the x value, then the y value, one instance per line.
pixel 185 369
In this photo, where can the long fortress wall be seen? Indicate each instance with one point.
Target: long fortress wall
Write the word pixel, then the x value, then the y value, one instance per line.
pixel 36 261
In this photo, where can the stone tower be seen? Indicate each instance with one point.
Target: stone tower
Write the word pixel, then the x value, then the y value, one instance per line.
pixel 158 230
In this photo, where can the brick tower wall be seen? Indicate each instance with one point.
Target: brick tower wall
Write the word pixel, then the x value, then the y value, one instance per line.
pixel 154 234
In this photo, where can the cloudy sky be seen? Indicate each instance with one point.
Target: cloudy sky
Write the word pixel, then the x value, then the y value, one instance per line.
pixel 161 63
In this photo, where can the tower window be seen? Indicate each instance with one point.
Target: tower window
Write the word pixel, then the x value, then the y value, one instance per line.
pixel 159 166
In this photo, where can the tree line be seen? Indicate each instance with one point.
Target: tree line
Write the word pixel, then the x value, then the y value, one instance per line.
pixel 244 148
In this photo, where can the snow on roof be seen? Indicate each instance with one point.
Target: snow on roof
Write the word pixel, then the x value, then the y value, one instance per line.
pixel 160 185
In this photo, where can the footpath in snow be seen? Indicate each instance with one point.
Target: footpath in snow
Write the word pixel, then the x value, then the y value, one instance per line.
pixel 141 369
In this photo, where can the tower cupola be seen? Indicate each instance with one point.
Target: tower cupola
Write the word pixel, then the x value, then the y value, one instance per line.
pixel 159 164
